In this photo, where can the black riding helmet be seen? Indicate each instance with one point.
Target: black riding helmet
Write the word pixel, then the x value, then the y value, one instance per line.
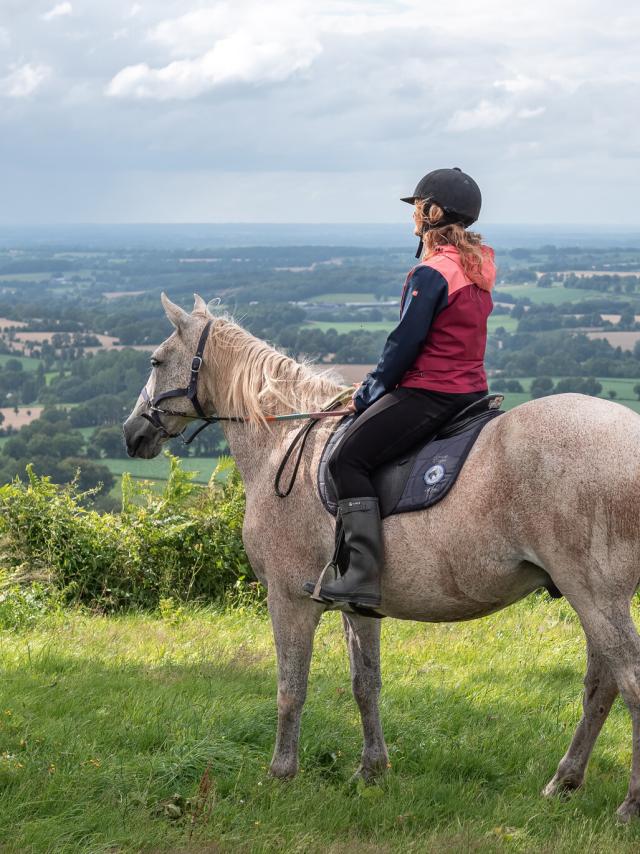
pixel 454 191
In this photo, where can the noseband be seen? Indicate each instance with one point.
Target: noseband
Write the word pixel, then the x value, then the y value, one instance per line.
pixel 190 392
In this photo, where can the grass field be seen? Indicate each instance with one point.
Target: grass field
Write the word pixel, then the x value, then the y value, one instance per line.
pixel 104 720
pixel 25 277
pixel 557 294
pixel 158 468
pixel 343 326
pixel 622 387
pixel 28 363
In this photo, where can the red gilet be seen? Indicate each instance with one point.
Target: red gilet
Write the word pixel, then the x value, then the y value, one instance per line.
pixel 452 356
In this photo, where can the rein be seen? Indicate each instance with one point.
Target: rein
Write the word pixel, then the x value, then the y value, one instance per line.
pixel 191 393
pixel 301 437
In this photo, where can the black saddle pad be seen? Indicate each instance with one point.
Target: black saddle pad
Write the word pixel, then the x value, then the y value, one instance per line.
pixel 420 477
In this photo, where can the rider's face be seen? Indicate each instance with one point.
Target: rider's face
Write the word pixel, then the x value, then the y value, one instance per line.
pixel 417 221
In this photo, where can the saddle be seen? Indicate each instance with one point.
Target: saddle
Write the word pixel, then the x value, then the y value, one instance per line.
pixel 423 475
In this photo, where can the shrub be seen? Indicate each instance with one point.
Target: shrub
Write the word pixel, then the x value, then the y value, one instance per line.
pixel 23 606
pixel 183 544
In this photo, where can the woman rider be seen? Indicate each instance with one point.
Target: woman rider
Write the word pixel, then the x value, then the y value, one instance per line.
pixel 430 368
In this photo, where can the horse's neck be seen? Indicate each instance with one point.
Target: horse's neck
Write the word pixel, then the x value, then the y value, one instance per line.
pixel 252 449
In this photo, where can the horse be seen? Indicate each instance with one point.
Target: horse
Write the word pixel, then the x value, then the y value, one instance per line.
pixel 550 493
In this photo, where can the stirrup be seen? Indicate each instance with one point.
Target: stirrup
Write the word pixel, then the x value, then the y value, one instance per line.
pixel 314 589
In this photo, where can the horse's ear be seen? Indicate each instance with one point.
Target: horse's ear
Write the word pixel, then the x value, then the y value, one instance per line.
pixel 199 305
pixel 177 316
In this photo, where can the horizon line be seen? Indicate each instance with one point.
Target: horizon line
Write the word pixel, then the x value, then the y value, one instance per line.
pixel 236 223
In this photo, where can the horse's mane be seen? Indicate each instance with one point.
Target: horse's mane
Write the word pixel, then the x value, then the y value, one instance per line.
pixel 259 380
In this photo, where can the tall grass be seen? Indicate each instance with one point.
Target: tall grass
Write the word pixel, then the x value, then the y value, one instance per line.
pixel 153 732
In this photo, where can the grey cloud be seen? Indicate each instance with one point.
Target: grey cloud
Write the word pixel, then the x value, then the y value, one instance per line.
pixel 523 105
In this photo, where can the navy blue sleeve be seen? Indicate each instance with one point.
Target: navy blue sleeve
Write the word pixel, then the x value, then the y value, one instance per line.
pixel 426 296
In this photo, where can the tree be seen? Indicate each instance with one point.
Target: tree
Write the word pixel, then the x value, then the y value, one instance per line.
pixel 541 386
pixel 108 442
pixel 578 385
pixel 591 386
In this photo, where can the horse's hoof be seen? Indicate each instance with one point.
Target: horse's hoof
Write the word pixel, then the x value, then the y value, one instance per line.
pixel 628 809
pixel 560 788
pixel 371 772
pixel 283 770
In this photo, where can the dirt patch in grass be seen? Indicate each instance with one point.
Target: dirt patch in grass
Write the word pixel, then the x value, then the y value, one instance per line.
pixel 25 415
pixel 118 294
pixel 626 340
pixel 6 323
pixel 349 373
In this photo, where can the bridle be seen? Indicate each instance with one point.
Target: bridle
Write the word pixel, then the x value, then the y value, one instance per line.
pixel 191 393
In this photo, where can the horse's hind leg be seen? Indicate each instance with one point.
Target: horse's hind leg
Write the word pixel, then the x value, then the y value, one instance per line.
pixel 363 641
pixel 294 623
pixel 600 690
pixel 611 631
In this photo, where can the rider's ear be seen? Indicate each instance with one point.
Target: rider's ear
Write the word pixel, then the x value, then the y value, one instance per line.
pixel 199 305
pixel 177 316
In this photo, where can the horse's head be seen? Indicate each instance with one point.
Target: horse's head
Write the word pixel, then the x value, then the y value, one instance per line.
pixel 157 415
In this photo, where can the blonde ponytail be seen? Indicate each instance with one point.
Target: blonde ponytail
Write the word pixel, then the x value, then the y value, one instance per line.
pixel 468 243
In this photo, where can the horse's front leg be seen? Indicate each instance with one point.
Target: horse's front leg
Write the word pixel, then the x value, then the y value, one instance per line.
pixel 294 623
pixel 363 640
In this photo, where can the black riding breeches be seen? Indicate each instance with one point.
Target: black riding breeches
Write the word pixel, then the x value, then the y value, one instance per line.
pixel 389 427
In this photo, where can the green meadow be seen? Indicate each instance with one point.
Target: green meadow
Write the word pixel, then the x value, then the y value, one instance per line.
pixel 153 733
pixel 556 294
pixel 158 468
pixel 28 362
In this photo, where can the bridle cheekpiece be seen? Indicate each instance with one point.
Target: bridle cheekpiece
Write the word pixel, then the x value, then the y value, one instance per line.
pixel 190 392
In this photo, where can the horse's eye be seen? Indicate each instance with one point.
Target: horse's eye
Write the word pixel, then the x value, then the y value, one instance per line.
pixel 155 363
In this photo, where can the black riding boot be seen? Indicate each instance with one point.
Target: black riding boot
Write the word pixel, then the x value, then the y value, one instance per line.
pixel 363 538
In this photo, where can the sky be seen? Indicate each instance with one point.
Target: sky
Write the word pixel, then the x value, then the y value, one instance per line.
pixel 316 110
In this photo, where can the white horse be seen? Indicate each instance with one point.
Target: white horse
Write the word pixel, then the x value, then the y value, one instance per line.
pixel 550 491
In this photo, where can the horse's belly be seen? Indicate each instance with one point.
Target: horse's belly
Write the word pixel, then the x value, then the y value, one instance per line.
pixel 441 594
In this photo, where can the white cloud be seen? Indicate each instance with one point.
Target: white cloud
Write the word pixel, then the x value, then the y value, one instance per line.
pixel 58 11
pixel 519 83
pixel 484 115
pixel 23 80
pixel 221 46
pixel 530 112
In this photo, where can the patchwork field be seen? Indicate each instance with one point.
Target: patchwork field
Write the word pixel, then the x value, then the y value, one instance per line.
pixel 626 340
